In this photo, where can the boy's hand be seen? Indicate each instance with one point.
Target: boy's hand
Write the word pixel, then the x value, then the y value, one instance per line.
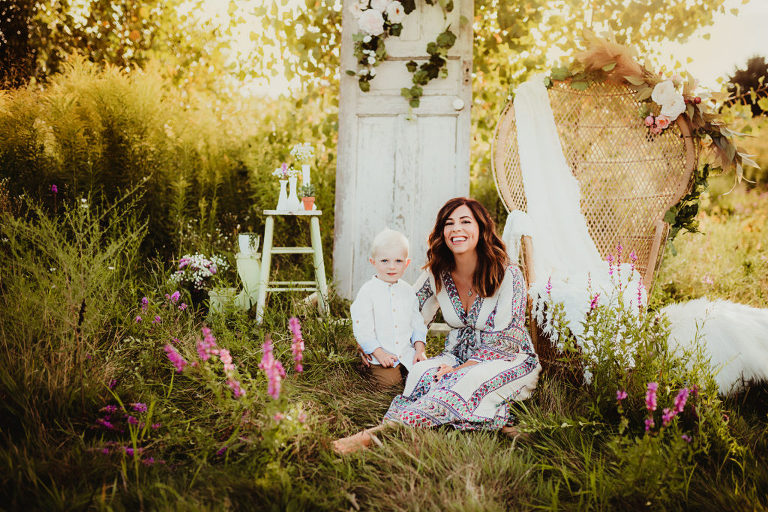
pixel 386 359
pixel 365 357
pixel 421 354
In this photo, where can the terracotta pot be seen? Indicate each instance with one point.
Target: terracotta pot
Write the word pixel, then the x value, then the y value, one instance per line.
pixel 308 202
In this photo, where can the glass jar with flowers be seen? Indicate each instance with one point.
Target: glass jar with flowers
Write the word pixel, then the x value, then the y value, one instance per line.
pixel 308 196
pixel 198 274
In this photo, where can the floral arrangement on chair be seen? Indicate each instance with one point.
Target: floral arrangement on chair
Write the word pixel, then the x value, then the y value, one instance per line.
pixel 606 60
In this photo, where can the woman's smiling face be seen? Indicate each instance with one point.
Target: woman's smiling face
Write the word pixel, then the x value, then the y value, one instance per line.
pixel 461 231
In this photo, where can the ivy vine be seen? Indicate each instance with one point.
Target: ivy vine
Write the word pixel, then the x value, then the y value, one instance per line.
pixel 370 50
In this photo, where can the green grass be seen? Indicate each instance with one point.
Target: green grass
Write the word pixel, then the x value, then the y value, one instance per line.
pixel 56 370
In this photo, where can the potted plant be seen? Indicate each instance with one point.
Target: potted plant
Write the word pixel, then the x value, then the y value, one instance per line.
pixel 308 196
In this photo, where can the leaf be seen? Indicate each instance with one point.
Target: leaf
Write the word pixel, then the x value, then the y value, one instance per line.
pixel 351 73
pixel 580 86
pixel 609 66
pixel 644 93
pixel 634 80
pixel 560 73
pixel 745 159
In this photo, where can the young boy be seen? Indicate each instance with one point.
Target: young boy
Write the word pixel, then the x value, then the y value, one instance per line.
pixel 386 320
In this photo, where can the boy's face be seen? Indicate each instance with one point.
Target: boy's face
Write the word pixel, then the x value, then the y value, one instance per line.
pixel 390 263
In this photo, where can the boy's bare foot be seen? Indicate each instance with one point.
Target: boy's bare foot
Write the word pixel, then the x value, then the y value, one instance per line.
pixel 350 444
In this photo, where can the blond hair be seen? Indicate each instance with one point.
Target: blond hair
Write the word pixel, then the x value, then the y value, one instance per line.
pixel 388 238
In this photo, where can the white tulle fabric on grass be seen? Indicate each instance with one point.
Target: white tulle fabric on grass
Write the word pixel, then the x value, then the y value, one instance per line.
pixel 564 255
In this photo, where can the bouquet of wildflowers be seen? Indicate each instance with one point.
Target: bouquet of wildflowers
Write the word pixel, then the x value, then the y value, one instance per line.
pixel 285 171
pixel 303 152
pixel 197 271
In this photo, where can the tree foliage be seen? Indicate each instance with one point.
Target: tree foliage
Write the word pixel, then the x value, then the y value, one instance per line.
pixel 748 85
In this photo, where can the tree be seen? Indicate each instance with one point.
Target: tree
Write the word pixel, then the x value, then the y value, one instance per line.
pixel 748 86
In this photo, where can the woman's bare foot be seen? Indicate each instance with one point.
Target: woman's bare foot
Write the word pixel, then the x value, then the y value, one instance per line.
pixel 512 432
pixel 360 441
pixel 349 444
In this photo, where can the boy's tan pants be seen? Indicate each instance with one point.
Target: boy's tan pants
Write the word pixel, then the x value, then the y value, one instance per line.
pixel 387 377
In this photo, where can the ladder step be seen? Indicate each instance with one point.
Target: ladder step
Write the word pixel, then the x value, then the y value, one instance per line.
pixel 292 289
pixel 292 283
pixel 292 250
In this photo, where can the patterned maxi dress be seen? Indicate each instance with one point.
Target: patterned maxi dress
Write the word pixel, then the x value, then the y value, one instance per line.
pixel 493 334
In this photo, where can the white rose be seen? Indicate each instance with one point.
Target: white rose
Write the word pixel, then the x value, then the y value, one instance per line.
pixel 380 5
pixel 674 108
pixel 395 12
pixel 357 8
pixel 672 102
pixel 371 60
pixel 367 39
pixel 371 22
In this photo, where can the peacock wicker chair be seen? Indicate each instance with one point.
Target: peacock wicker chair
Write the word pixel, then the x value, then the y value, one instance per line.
pixel 628 177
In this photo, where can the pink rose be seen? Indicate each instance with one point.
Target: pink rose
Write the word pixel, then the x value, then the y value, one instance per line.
pixel 649 121
pixel 662 122
pixel 371 22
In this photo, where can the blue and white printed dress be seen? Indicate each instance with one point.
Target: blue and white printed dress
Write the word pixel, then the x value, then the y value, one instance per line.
pixel 493 334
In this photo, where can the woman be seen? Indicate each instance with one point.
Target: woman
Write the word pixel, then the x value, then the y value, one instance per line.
pixel 488 358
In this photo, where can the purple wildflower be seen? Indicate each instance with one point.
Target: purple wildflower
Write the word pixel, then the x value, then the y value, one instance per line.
pixel 650 396
pixel 593 303
pixel 144 303
pixel 237 390
pixel 182 306
pixel 298 342
pixel 221 451
pixel 667 415
pixel 619 248
pixel 633 259
pixel 139 407
pixel 549 286
pixel 157 319
pixel 132 420
pixel 176 358
pixel 175 296
pixel 104 422
pixel 148 461
pixel 273 368
pixel 649 424
pixel 680 400
pixel 226 359
pixel 111 409
pixel 610 264
pixel 105 451
pixel 155 426
pixel 129 451
pixel 207 346
pixel 640 295
pixel 620 395
pixel 54 189
pixel 686 438
pixel 112 383
pixel 302 417
pixel 137 319
pixel 278 417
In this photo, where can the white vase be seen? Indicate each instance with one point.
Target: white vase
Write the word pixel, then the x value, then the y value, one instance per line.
pixel 294 203
pixel 282 201
pixel 248 243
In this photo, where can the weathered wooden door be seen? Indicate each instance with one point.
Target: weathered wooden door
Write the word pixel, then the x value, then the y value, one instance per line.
pixel 396 165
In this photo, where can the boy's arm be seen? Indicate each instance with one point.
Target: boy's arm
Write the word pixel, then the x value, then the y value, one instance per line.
pixel 363 323
pixel 419 336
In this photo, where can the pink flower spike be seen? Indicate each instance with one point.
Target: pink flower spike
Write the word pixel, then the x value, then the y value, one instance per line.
pixel 649 424
pixel 175 297
pixel 593 303
pixel 157 319
pixel 680 400
pixel 182 306
pixel 54 189
pixel 549 286
pixel 667 415
pixel 686 438
pixel 650 396
pixel 137 319
pixel 298 342
pixel 609 259
pixel 176 358
pixel 621 395
pixel 144 303
pixel 278 416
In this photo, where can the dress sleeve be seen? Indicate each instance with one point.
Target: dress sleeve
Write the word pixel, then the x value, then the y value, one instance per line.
pixel 512 338
pixel 427 299
pixel 363 322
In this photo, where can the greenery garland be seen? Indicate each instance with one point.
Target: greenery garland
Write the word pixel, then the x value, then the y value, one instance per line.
pixel 606 60
pixel 380 19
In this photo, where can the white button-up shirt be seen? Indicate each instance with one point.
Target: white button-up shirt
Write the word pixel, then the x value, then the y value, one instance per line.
pixel 387 315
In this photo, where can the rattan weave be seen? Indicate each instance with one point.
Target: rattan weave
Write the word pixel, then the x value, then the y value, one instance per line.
pixel 628 177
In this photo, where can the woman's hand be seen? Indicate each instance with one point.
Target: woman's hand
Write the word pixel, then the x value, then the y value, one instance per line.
pixel 421 354
pixel 443 370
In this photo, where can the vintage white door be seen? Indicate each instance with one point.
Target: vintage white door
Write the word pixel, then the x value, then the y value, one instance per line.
pixel 396 165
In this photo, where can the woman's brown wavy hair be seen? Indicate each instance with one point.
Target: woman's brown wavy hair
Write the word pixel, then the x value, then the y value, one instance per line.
pixel 491 253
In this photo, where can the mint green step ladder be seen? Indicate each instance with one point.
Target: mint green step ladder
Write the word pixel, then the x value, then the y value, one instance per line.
pixel 319 285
